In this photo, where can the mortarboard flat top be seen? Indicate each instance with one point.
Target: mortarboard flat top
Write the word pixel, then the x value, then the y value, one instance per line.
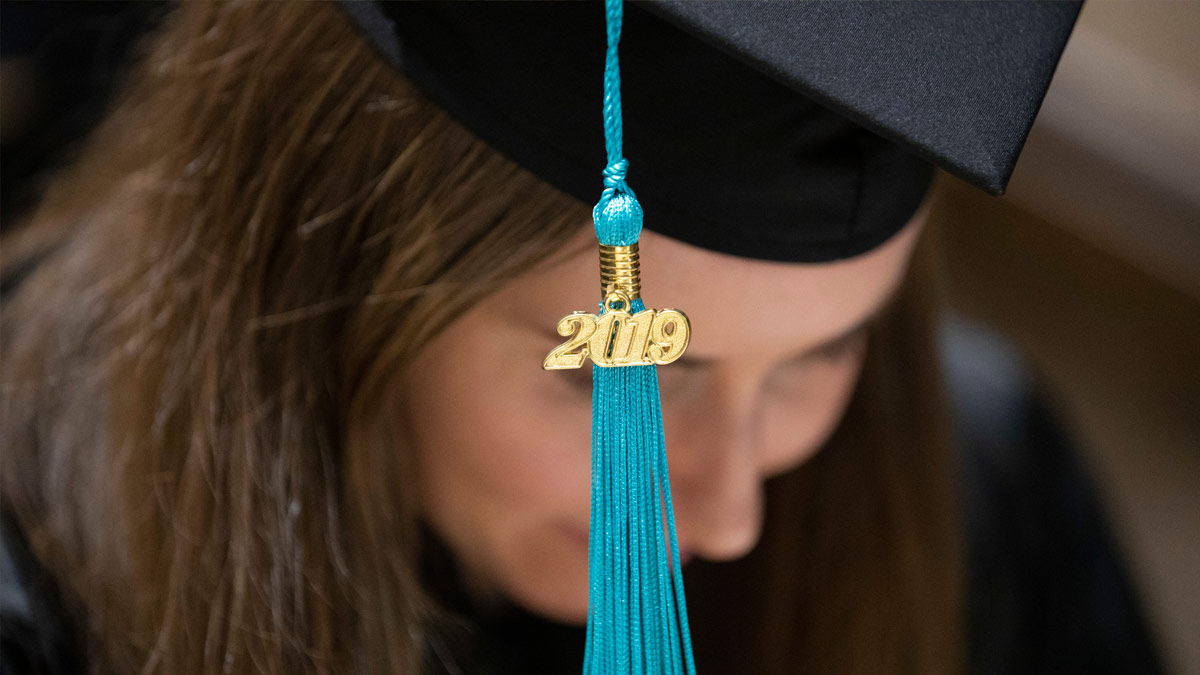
pixel 959 83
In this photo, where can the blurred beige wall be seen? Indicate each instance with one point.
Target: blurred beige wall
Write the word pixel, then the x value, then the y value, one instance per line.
pixel 1115 152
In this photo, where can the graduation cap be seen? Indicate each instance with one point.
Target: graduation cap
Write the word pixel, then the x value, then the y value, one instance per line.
pixel 793 131
pixel 799 131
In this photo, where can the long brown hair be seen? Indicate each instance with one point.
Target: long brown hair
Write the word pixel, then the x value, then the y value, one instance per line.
pixel 261 236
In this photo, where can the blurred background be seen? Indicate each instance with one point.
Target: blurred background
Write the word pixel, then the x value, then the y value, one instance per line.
pixel 1090 265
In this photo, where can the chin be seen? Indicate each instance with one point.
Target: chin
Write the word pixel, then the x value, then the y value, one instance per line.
pixel 571 611
pixel 546 576
pixel 553 584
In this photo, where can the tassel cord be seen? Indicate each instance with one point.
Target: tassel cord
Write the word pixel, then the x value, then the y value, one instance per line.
pixel 637 616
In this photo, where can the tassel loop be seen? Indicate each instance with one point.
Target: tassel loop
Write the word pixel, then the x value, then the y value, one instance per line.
pixel 618 215
pixel 614 178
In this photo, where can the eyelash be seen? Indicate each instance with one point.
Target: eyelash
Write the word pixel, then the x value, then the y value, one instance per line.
pixel 840 349
pixel 785 376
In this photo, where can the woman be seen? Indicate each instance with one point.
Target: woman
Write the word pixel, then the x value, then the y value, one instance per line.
pixel 278 417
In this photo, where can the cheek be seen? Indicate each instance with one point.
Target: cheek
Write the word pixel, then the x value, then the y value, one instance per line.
pixel 798 420
pixel 476 441
pixel 500 483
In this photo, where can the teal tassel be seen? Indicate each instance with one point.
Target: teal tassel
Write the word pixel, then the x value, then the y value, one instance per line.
pixel 637 615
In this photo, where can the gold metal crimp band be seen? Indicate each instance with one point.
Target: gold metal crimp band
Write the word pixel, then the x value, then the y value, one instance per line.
pixel 620 270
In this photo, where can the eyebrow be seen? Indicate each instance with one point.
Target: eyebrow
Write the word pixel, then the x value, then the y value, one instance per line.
pixel 832 343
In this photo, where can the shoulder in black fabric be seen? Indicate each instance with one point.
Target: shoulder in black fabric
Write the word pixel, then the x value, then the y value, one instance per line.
pixel 1048 591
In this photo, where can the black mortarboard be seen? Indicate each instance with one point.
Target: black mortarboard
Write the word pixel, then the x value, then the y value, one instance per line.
pixel 799 131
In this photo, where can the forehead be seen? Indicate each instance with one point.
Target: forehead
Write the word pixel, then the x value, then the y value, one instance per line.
pixel 733 303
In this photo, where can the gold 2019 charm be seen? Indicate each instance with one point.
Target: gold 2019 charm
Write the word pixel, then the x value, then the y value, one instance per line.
pixel 618 338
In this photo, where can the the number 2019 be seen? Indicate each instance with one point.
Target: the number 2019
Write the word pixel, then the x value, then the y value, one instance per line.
pixel 620 339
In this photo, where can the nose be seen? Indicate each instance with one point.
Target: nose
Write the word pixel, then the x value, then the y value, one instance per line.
pixel 716 483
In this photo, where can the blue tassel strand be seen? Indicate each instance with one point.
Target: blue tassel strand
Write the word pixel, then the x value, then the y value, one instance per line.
pixel 637 615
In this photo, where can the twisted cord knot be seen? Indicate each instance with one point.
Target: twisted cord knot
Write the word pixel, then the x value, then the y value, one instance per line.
pixel 618 216
pixel 614 179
